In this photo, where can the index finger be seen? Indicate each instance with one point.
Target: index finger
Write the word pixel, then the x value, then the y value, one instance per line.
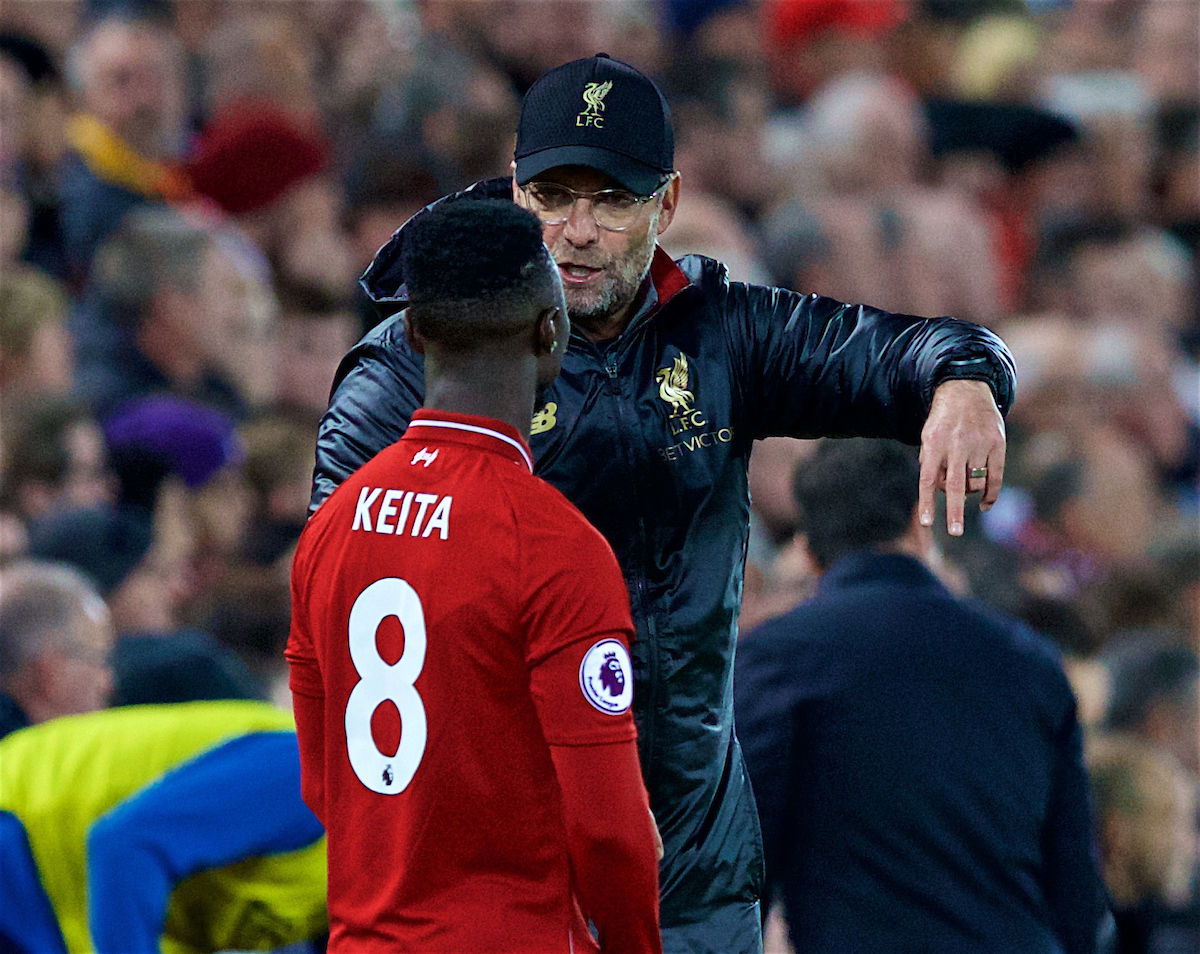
pixel 931 465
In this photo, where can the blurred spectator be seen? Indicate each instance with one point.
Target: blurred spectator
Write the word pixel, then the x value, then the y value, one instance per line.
pixel 1153 695
pixel 811 42
pixel 1146 829
pixel 260 55
pixel 886 824
pixel 142 553
pixel 1166 50
pixel 883 234
pixel 14 97
pixel 384 187
pixel 161 437
pixel 55 639
pixel 1092 503
pixel 165 302
pixel 316 329
pixel 126 74
pixel 1177 191
pixel 708 225
pixel 33 130
pixel 778 572
pixel 153 661
pixel 249 612
pixel 264 167
pixel 54 458
pixel 279 466
pixel 461 107
pixel 719 108
pixel 162 434
pixel 35 350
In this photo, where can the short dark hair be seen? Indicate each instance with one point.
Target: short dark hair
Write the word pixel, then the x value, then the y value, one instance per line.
pixel 474 269
pixel 854 494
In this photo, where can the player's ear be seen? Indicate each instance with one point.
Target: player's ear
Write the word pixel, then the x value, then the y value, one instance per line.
pixel 548 332
pixel 415 339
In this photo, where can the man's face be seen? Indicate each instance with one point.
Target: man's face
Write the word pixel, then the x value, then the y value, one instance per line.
pixel 85 678
pixel 132 84
pixel 601 270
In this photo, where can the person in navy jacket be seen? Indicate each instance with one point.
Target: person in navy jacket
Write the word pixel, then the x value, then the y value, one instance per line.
pixel 916 757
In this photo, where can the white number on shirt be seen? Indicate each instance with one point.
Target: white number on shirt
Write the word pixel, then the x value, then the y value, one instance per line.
pixel 380 681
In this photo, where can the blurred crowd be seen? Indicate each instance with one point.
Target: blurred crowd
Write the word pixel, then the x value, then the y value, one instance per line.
pixel 189 190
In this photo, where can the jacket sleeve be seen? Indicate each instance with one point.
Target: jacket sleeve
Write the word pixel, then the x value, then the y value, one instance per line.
pixel 809 366
pixel 377 387
pixel 27 920
pixel 238 801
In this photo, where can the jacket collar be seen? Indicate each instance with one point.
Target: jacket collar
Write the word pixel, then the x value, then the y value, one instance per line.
pixel 485 433
pixel 871 567
pixel 666 276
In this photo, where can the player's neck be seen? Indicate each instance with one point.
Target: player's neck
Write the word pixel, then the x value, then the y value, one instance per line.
pixel 476 386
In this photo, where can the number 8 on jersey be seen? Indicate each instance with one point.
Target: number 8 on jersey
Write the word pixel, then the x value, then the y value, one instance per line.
pixel 380 681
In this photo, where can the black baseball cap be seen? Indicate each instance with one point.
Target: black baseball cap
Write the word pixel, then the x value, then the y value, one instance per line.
pixel 600 113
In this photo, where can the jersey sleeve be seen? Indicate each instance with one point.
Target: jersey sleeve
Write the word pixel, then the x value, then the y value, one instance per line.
pixel 308 689
pixel 304 673
pixel 578 630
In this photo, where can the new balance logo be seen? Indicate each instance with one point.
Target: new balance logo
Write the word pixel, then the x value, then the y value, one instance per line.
pixel 423 455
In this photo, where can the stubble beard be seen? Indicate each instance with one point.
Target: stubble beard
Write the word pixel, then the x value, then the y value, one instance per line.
pixel 591 308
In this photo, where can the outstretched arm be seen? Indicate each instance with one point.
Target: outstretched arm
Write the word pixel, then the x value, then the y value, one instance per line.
pixel 809 366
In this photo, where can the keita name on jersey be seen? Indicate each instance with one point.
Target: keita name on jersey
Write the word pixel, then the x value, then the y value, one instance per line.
pixel 383 510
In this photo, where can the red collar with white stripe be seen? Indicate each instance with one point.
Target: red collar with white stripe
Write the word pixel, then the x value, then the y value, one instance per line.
pixel 486 433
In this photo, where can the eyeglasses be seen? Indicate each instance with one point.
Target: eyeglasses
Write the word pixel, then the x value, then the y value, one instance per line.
pixel 613 209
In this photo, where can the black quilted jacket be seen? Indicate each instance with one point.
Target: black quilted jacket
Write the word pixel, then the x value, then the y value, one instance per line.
pixel 650 438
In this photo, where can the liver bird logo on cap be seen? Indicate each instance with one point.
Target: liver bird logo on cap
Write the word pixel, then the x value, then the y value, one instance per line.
pixel 593 98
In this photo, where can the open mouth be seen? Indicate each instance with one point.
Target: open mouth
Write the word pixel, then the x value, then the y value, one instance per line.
pixel 577 274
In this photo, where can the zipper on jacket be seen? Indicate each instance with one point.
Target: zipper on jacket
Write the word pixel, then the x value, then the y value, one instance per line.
pixel 611 364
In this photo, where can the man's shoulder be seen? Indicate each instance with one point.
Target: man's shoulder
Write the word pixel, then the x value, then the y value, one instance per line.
pixel 548 522
pixel 1026 643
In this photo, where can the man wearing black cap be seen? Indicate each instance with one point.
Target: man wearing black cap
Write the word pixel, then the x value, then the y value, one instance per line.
pixel 671 373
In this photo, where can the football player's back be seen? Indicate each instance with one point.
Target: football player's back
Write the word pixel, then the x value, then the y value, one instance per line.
pixel 459 655
pixel 424 581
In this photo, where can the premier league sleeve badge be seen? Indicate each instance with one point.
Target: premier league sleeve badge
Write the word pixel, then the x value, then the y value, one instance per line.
pixel 606 677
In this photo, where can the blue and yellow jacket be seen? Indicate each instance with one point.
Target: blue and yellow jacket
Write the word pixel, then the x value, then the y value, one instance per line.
pixel 174 828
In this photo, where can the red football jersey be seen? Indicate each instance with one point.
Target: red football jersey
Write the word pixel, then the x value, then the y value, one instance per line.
pixel 453 617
